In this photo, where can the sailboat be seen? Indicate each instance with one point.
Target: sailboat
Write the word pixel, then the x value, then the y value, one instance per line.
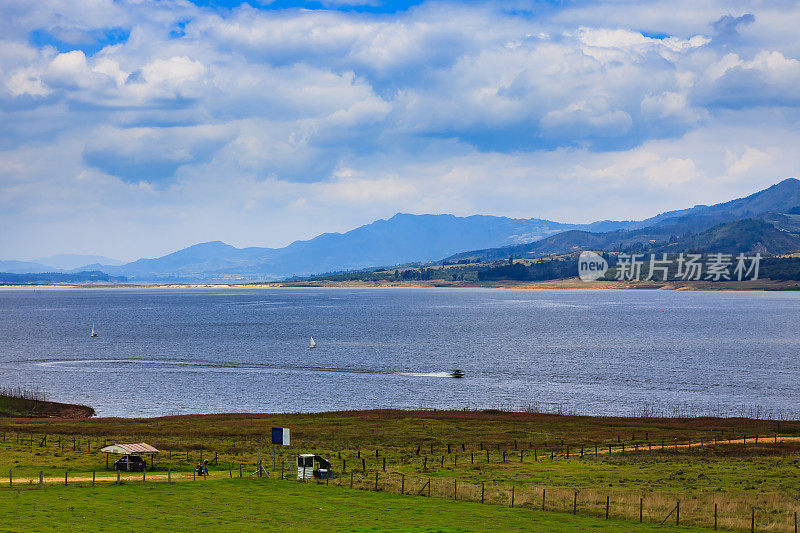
pixel 93 333
pixel 313 344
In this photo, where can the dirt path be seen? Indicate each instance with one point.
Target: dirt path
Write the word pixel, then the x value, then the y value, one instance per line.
pixel 87 478
pixel 185 476
pixel 657 447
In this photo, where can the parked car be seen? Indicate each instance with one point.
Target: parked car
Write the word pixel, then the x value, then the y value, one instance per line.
pixel 131 463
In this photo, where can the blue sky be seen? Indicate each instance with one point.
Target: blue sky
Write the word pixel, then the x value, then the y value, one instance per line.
pixel 133 128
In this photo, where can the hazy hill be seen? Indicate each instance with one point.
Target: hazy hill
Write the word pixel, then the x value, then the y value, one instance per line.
pixel 780 198
pixel 701 227
pixel 400 239
pixel 72 261
pixel 743 236
pixel 22 267
pixel 406 238
pixel 46 278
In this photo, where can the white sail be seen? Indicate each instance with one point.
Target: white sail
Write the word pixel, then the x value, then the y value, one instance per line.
pixel 313 344
pixel 93 333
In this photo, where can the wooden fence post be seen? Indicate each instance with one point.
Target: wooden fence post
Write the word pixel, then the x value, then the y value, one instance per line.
pixel 483 487
pixel 169 475
pixel 575 503
pixel 10 479
pixel 455 489
pixel 240 469
pixel 402 483
pixel 544 493
pixel 65 478
pixel 41 479
pixel 607 503
pixel 384 464
pixel 512 496
pixel 715 517
pixel 93 475
pixel 641 509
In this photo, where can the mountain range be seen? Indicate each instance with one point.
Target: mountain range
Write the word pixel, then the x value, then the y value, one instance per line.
pixel 767 222
pixel 405 238
pixel 56 263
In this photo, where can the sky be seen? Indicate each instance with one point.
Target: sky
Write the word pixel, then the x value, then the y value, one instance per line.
pixel 134 128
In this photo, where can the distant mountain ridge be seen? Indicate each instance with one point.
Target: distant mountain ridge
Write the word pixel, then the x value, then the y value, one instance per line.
pixel 402 238
pixel 73 261
pixel 769 229
pixel 405 238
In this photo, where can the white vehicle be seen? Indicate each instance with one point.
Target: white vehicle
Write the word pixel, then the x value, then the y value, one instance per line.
pixel 310 466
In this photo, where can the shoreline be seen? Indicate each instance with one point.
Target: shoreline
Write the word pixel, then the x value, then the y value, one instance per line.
pixel 559 284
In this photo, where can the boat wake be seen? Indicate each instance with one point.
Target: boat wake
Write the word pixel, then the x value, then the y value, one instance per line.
pixel 112 365
pixel 426 374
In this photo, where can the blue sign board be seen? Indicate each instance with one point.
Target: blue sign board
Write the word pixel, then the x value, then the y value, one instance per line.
pixel 281 436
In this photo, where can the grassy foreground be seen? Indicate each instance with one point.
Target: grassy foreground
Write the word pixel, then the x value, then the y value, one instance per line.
pixel 236 505
pixel 489 454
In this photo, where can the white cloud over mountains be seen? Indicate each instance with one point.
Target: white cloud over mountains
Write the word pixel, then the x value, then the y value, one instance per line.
pixel 136 127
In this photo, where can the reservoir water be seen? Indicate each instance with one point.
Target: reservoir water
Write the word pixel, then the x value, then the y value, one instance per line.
pixel 603 352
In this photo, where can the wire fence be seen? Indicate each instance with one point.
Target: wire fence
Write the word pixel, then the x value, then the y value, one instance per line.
pixel 426 470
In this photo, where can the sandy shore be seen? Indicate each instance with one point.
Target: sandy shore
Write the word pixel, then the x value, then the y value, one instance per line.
pixel 571 283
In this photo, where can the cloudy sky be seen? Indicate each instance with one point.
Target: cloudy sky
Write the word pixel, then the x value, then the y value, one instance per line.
pixel 133 128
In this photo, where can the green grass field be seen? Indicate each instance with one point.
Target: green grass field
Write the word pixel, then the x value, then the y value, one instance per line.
pixel 236 505
pixel 447 448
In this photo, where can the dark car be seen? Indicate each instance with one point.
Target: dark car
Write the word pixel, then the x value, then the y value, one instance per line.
pixel 131 463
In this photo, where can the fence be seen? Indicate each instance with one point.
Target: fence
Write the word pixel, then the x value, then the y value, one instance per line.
pixel 433 464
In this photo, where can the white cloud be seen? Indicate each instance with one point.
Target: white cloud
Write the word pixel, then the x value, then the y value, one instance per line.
pixel 264 126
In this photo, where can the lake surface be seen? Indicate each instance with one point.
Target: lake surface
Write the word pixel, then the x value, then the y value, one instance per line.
pixel 601 352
